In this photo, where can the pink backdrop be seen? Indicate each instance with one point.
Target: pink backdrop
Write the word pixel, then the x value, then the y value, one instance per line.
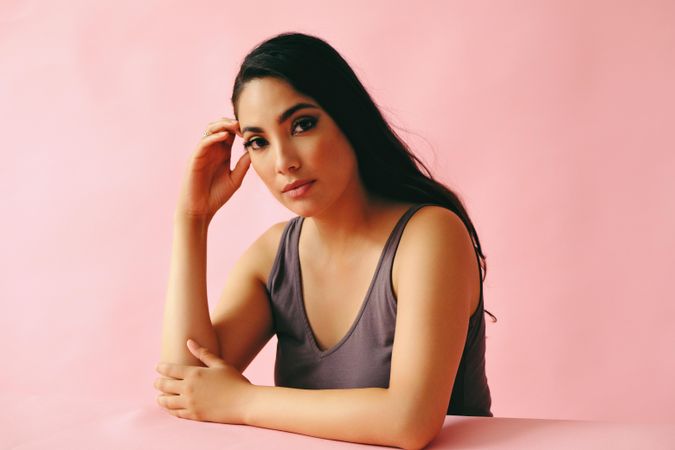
pixel 553 121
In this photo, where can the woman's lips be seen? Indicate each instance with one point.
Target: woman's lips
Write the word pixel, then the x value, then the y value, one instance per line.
pixel 300 191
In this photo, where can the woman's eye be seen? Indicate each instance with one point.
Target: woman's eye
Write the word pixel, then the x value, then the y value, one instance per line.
pixel 251 142
pixel 305 123
pixel 308 121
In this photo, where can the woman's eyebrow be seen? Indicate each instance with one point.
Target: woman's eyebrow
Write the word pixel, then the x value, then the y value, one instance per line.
pixel 285 115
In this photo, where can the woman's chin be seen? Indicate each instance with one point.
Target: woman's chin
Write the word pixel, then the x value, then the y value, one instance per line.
pixel 301 210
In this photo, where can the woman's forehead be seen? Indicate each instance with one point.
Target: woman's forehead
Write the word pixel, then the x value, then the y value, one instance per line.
pixel 266 100
pixel 267 91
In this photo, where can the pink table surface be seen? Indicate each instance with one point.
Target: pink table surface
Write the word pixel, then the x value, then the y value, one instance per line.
pixel 59 422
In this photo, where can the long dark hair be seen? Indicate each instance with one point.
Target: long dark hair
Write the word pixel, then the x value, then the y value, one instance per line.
pixel 386 165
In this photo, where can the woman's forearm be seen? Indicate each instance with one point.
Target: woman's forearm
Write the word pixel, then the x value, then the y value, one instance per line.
pixel 362 415
pixel 186 310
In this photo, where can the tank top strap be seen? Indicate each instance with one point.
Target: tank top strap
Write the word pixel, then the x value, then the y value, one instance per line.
pixel 397 232
pixel 281 269
pixel 286 253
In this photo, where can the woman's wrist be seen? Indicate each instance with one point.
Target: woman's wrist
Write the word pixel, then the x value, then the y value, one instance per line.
pixel 248 409
pixel 190 220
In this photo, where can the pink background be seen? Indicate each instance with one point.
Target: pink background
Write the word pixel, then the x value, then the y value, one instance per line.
pixel 552 120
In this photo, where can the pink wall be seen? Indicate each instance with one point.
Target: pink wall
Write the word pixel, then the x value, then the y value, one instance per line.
pixel 554 122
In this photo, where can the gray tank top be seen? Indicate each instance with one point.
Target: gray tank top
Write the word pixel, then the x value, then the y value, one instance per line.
pixel 362 358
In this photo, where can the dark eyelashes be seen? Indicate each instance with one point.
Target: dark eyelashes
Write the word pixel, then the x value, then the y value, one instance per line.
pixel 309 122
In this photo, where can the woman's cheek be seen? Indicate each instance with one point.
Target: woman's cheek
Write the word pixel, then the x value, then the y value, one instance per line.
pixel 260 170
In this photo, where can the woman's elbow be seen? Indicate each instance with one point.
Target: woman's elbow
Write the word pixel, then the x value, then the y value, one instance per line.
pixel 418 435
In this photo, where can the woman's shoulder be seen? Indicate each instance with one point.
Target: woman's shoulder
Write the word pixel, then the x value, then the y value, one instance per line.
pixel 431 213
pixel 265 248
pixel 424 220
pixel 437 233
pixel 424 224
pixel 431 221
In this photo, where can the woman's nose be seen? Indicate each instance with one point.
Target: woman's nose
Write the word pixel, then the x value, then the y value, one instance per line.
pixel 286 159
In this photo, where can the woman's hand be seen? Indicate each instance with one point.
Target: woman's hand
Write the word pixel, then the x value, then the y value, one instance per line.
pixel 209 183
pixel 217 393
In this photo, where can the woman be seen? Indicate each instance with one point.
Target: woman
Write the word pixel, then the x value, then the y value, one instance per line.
pixel 374 289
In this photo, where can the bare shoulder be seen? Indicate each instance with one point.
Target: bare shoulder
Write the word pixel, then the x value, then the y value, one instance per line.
pixel 437 217
pixel 264 249
pixel 435 236
pixel 432 222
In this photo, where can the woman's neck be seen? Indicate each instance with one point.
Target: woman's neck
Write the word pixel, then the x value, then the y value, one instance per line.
pixel 348 224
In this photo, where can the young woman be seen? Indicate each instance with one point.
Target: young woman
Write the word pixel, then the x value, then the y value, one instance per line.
pixel 373 289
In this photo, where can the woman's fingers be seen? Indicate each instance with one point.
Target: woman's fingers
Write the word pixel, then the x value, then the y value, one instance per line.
pixel 207 141
pixel 171 401
pixel 240 169
pixel 168 386
pixel 216 136
pixel 224 124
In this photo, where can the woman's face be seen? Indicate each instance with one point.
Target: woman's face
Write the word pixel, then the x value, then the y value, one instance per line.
pixel 305 145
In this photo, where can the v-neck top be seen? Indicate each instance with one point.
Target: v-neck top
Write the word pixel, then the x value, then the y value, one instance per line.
pixel 362 358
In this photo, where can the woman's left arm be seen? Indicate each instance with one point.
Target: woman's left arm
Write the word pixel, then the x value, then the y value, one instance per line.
pixel 437 278
pixel 363 415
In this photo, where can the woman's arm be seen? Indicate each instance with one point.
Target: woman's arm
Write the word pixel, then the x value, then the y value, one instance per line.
pixel 186 312
pixel 363 415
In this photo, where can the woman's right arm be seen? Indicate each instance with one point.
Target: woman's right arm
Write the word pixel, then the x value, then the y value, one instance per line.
pixel 186 313
pixel 208 185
